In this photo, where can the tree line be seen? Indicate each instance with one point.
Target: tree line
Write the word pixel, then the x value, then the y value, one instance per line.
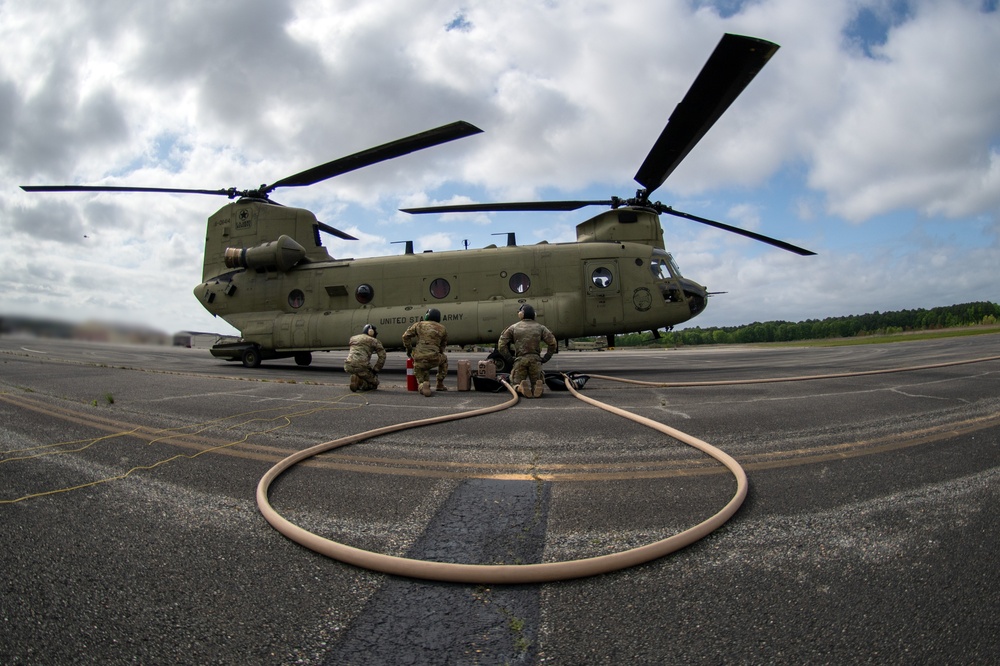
pixel 875 323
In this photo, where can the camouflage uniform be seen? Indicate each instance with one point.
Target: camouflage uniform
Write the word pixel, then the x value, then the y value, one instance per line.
pixel 363 376
pixel 425 342
pixel 525 337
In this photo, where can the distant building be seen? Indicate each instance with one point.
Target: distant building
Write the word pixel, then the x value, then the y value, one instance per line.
pixel 42 328
pixel 97 331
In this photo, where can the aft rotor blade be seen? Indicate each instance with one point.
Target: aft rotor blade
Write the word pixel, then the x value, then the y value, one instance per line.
pixel 742 232
pixel 524 206
pixel 109 188
pixel 334 232
pixel 733 64
pixel 388 151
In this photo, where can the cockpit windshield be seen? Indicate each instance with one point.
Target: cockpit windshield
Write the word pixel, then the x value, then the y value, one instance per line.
pixel 663 266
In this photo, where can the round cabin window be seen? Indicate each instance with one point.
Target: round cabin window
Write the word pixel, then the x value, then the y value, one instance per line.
pixel 519 283
pixel 601 278
pixel 364 293
pixel 440 288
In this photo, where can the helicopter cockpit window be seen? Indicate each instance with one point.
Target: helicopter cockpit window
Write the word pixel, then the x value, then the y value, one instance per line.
pixel 519 283
pixel 364 293
pixel 440 288
pixel 602 278
pixel 662 266
pixel 296 298
pixel 659 269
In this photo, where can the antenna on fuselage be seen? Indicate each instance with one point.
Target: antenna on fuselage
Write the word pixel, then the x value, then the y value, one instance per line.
pixel 409 246
pixel 511 242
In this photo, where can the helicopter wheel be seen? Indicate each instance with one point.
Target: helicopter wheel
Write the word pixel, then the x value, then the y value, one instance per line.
pixel 504 363
pixel 303 358
pixel 251 357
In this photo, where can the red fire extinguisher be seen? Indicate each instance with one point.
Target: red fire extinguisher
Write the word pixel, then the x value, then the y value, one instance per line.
pixel 411 379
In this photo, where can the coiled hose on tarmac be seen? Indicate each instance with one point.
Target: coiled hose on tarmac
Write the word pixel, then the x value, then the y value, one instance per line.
pixel 498 573
pixel 549 571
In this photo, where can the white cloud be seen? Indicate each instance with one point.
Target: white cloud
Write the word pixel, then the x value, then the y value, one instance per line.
pixel 917 126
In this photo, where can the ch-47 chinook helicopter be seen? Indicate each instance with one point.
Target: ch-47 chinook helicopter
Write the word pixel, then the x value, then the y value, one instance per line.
pixel 267 273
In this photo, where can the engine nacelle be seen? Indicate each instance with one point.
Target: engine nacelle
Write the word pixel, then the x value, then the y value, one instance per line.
pixel 282 254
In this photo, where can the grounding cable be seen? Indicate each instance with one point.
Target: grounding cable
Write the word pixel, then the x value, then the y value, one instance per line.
pixel 799 378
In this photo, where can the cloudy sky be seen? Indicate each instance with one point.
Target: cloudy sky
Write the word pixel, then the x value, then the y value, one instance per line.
pixel 872 138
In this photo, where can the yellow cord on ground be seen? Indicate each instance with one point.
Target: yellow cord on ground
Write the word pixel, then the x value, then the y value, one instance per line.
pixel 492 574
pixel 47 450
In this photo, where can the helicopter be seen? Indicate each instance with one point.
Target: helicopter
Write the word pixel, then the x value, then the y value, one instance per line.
pixel 267 273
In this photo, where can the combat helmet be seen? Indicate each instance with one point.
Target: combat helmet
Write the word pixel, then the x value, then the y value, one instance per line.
pixel 433 314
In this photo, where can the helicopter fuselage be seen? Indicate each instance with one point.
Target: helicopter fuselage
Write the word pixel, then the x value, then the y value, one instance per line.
pixel 284 293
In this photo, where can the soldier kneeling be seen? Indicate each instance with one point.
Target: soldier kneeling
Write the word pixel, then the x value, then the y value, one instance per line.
pixel 524 339
pixel 363 376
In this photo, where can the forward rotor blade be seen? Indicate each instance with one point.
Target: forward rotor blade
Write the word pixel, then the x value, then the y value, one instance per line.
pixel 387 151
pixel 733 64
pixel 742 232
pixel 108 188
pixel 525 206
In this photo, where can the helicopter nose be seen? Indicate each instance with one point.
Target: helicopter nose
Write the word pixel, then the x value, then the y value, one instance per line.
pixel 697 296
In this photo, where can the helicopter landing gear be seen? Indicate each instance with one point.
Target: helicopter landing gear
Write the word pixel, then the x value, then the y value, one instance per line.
pixel 303 358
pixel 251 357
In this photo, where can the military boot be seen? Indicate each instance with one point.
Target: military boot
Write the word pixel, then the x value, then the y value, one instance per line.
pixel 539 387
pixel 441 387
pixel 425 389
pixel 524 388
pixel 355 383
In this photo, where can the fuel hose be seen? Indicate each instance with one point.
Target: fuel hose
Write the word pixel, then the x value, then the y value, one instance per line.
pixel 493 574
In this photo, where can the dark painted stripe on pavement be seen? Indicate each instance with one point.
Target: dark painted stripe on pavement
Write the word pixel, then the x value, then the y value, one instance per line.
pixel 485 521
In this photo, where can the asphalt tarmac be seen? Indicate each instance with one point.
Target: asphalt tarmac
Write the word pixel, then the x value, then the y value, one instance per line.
pixel 129 531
